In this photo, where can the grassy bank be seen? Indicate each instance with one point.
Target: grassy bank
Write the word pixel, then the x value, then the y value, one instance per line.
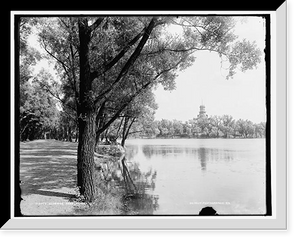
pixel 109 198
pixel 48 174
pixel 108 202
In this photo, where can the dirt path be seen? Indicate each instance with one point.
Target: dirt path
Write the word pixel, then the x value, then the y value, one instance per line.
pixel 48 177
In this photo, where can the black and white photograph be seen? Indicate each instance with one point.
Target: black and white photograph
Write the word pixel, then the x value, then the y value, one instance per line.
pixel 143 115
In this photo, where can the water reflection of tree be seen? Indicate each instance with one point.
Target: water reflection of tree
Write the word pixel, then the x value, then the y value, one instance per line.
pixel 129 185
pixel 221 155
pixel 204 154
pixel 202 157
pixel 210 154
pixel 134 186
pixel 131 151
pixel 137 187
pixel 150 150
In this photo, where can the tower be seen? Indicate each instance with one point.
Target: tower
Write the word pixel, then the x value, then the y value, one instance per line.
pixel 202 111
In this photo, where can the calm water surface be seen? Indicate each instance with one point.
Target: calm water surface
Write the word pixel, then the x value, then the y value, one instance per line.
pixel 189 174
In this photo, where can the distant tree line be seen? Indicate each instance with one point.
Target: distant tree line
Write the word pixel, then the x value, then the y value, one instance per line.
pixel 203 127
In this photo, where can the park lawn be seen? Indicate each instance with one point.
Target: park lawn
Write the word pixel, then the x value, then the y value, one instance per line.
pixel 48 173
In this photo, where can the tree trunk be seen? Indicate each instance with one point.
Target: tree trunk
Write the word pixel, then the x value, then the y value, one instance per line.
pixel 86 119
pixel 126 130
pixel 65 134
pixel 76 136
pixel 69 133
pixel 85 157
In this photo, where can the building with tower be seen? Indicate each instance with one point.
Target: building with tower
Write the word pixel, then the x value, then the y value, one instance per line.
pixel 202 111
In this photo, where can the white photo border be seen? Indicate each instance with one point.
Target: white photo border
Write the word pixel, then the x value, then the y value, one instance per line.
pixel 278 220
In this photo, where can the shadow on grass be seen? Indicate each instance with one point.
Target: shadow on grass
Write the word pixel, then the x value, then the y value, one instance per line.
pixel 47 165
pixel 54 194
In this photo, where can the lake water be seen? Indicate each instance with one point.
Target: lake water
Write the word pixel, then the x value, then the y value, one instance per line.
pixel 185 175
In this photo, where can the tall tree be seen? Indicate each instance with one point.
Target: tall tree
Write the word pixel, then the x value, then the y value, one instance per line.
pixel 88 103
pixel 216 123
pixel 227 125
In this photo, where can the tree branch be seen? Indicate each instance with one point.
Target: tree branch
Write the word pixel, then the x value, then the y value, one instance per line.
pixel 64 23
pixel 129 127
pixel 65 67
pixel 96 24
pixel 168 70
pixel 132 58
pixel 73 72
pixel 110 64
pixel 56 96
pixel 135 132
pixel 117 114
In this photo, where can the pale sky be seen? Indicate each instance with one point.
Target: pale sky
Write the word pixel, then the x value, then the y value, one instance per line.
pixel 241 97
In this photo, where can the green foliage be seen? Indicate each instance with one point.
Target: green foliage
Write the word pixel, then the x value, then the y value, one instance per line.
pixel 120 83
pixel 28 58
pixel 208 127
pixel 38 112
pixel 227 125
pixel 244 55
pixel 25 31
pixel 136 118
